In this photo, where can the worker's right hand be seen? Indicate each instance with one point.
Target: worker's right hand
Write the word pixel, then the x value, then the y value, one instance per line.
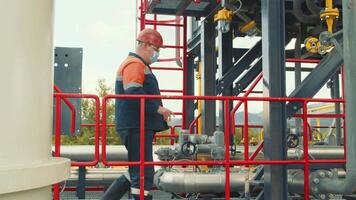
pixel 165 112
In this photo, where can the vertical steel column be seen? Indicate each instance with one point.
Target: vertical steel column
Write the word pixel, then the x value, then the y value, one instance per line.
pixel 298 74
pixel 189 112
pixel 224 64
pixel 187 72
pixel 335 94
pixel 273 52
pixel 208 60
pixel 81 182
pixel 349 24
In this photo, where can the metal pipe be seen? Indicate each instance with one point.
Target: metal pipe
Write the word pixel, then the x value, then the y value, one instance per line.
pixel 84 153
pixel 190 182
pixel 298 13
pixel 347 185
pixel 313 8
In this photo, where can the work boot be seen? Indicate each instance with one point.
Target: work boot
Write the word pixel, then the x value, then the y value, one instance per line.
pixel 117 189
pixel 137 197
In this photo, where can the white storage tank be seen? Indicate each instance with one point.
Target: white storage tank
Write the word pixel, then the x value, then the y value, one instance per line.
pixel 27 169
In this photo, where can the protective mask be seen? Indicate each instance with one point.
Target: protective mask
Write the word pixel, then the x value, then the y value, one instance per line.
pixel 154 57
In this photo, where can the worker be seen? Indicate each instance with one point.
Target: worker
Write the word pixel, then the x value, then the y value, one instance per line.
pixel 135 77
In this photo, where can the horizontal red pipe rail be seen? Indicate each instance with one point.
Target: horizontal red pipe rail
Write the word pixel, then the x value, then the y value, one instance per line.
pixel 172 91
pixel 253 92
pixel 321 115
pixel 167 59
pixel 173 47
pixel 234 98
pixel 232 162
pixel 164 21
pixel 93 125
pixel 88 189
pixel 71 107
pixel 166 136
pixel 298 60
pixel 163 24
pixel 167 68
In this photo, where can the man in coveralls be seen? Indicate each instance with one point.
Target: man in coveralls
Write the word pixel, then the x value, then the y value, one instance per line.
pixel 135 77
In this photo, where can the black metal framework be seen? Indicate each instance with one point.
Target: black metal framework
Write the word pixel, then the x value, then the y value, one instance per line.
pixel 208 71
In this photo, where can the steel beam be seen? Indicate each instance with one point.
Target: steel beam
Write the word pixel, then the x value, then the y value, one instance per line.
pixel 316 79
pixel 190 107
pixel 182 6
pixel 242 64
pixel 247 79
pixel 208 71
pixel 225 63
pixel 273 53
pixel 335 94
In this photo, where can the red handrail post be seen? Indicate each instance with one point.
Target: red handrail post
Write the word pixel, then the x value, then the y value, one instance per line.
pixel 57 140
pixel 245 133
pixel 142 148
pixel 103 131
pixel 305 150
pixel 227 150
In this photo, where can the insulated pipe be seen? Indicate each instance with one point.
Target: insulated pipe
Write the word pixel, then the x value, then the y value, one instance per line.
pixel 347 185
pixel 298 13
pixel 190 182
pixel 85 153
pixel 193 182
pixel 313 7
pixel 27 169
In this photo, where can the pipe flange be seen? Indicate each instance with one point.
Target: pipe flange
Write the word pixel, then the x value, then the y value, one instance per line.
pixel 315 178
pixel 329 13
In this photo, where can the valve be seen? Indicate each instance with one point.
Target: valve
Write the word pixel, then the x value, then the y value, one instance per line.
pixel 188 148
pixel 312 44
pixel 292 140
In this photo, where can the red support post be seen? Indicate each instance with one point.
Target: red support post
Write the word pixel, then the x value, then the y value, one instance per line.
pixel 245 133
pixel 305 150
pixel 227 150
pixel 142 148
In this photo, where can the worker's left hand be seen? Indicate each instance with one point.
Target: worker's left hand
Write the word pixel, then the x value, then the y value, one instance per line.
pixel 165 112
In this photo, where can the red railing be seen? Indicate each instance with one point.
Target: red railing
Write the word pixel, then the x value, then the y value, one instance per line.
pixel 72 110
pixel 57 140
pixel 180 23
pixel 227 127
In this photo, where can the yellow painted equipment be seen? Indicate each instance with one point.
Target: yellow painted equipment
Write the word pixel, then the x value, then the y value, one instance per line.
pixel 329 14
pixel 223 14
pixel 312 44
